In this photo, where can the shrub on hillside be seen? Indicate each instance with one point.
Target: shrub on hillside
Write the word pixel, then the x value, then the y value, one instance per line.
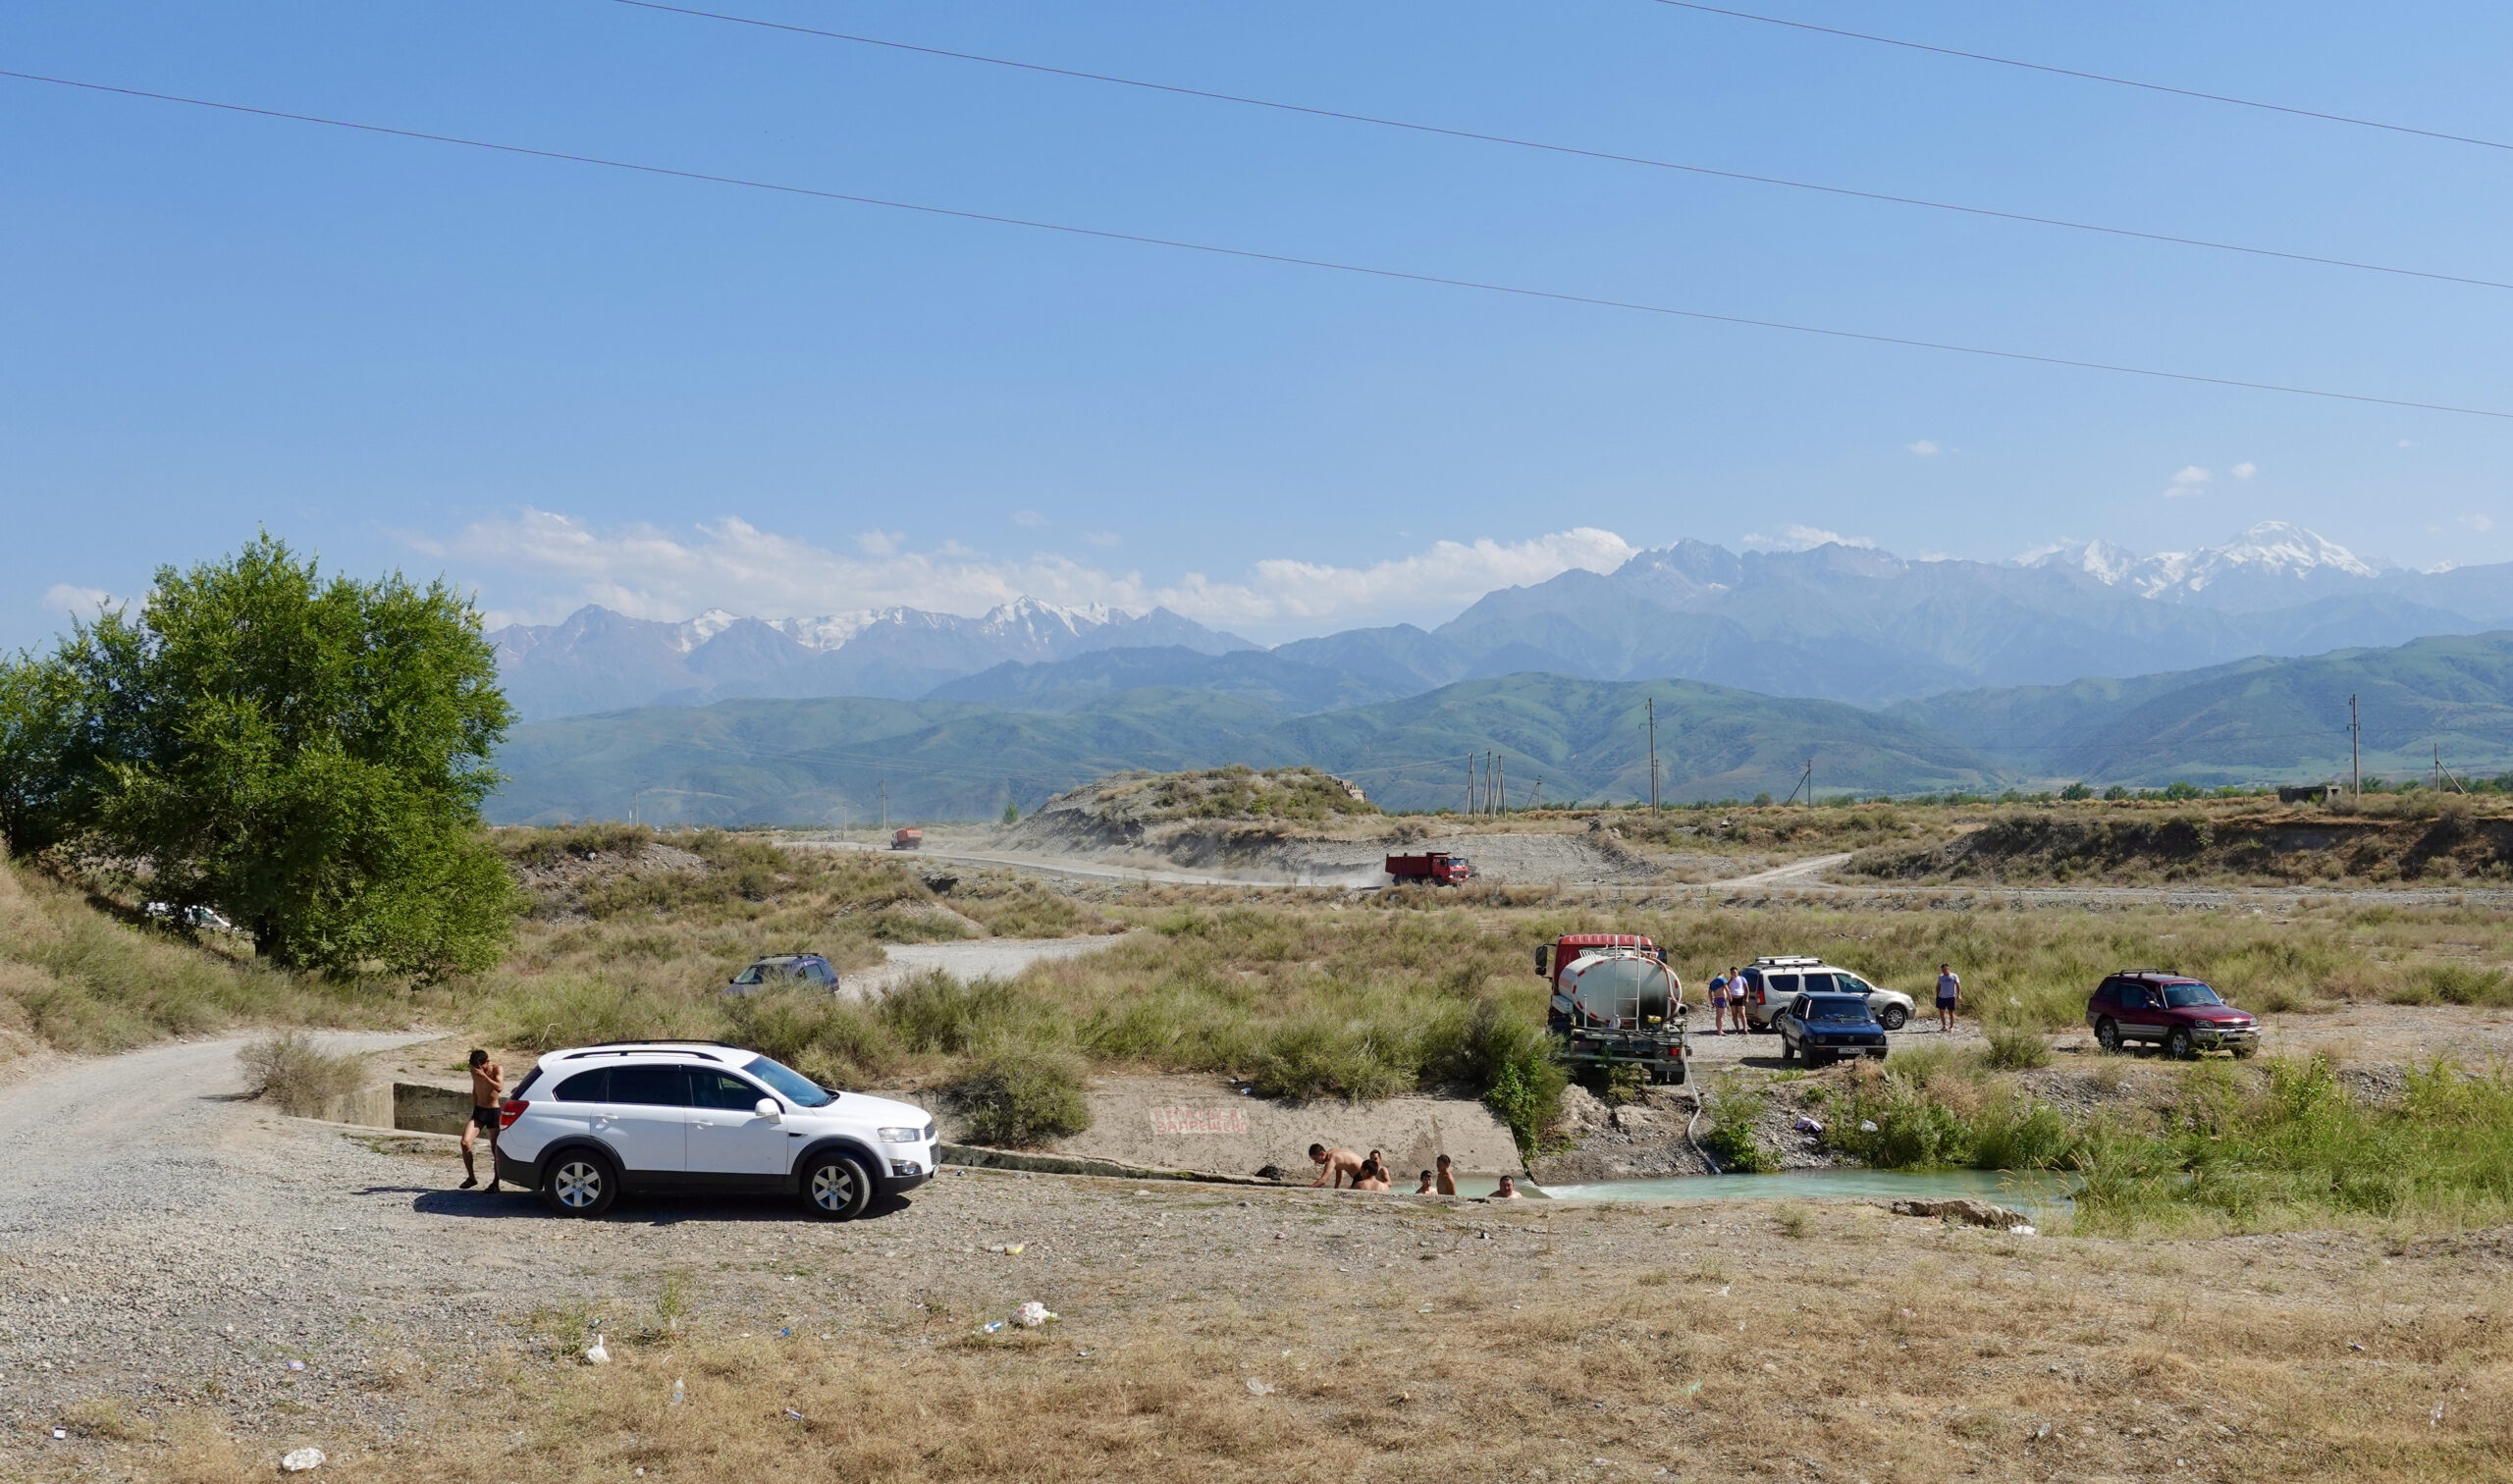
pixel 288 1070
pixel 1019 1098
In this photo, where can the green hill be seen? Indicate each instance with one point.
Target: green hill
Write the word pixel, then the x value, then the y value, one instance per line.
pixel 825 760
pixel 2256 720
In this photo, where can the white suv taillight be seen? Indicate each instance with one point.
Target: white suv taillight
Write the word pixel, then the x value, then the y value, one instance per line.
pixel 510 1110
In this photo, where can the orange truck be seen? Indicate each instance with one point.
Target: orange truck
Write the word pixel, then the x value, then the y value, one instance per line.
pixel 1615 1004
pixel 908 840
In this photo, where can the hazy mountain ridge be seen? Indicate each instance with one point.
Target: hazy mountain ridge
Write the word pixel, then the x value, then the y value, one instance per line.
pixel 2255 721
pixel 825 760
pixel 598 660
pixel 1838 622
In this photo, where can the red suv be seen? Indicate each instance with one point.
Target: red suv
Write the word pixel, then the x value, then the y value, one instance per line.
pixel 2182 1015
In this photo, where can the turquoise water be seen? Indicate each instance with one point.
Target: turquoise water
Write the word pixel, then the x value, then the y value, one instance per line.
pixel 2043 1195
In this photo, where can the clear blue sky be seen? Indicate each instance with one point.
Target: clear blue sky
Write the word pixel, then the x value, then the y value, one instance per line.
pixel 555 382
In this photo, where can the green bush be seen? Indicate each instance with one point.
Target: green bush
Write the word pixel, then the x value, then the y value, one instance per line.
pixel 1321 1055
pixel 1020 1098
pixel 1729 1138
pixel 2012 1049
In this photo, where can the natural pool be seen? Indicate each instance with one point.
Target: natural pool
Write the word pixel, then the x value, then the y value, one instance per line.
pixel 2039 1193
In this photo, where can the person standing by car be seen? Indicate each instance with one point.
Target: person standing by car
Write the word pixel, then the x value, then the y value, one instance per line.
pixel 488 1090
pixel 1949 990
pixel 1737 1001
pixel 1719 1004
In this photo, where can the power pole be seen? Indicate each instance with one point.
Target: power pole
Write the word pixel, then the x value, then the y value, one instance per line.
pixel 1653 755
pixel 2355 751
pixel 2439 767
pixel 1809 780
pixel 1469 782
pixel 1501 780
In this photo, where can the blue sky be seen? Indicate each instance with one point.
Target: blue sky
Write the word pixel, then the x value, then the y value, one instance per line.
pixel 561 384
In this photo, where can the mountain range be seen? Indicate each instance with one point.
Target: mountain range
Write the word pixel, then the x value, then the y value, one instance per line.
pixel 1560 738
pixel 1836 622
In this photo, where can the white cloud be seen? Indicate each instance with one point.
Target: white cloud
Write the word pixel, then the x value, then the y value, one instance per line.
pixel 2477 522
pixel 2406 443
pixel 1801 537
pixel 1027 521
pixel 648 572
pixel 2245 469
pixel 879 543
pixel 1103 538
pixel 2192 481
pixel 79 602
pixel 1924 447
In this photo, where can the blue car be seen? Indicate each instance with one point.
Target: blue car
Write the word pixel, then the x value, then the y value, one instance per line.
pixel 1824 1028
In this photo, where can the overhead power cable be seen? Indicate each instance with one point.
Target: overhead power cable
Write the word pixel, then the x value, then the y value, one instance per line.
pixel 1572 150
pixel 1254 255
pixel 2089 76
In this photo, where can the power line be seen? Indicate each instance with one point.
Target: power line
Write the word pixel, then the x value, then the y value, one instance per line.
pixel 2090 77
pixel 1576 151
pixel 1249 254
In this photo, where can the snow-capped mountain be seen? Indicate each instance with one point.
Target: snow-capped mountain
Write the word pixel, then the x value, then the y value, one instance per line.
pixel 2271 564
pixel 597 659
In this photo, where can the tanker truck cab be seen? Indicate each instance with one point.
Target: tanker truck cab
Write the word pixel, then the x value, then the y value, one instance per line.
pixel 1614 1004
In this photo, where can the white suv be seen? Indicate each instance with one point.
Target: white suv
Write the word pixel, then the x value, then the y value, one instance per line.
pixel 1772 983
pixel 700 1116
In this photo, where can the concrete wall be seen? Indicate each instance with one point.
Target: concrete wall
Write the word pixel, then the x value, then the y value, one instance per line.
pixel 371 1105
pixel 426 1109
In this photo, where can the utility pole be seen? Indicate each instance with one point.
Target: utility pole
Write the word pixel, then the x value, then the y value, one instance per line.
pixel 1501 783
pixel 1469 782
pixel 1653 755
pixel 1809 780
pixel 2355 750
pixel 2439 767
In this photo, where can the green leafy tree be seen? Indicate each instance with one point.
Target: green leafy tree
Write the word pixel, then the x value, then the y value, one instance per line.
pixel 306 755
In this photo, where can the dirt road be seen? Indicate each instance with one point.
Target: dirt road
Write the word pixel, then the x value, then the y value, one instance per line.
pixel 970 959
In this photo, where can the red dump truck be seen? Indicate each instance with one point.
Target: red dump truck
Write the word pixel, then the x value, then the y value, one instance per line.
pixel 1614 1004
pixel 908 840
pixel 1435 868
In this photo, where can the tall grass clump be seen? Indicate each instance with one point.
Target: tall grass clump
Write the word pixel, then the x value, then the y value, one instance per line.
pixel 1020 1098
pixel 2013 1048
pixel 290 1070
pixel 75 978
pixel 1947 1110
pixel 2294 1146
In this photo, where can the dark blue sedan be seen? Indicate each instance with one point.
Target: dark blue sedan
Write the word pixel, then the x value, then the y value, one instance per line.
pixel 1825 1028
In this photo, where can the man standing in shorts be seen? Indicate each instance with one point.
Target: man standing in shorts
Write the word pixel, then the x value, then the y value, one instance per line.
pixel 1948 988
pixel 488 1090
pixel 1719 1004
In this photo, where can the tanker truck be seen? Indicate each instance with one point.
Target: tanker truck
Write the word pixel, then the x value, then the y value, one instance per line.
pixel 1614 1004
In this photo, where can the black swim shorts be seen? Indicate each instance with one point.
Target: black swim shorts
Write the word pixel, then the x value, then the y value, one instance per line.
pixel 485 1119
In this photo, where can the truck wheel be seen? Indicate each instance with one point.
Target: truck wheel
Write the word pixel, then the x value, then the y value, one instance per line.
pixel 1788 1052
pixel 1894 1018
pixel 2176 1045
pixel 2106 1034
pixel 1677 1075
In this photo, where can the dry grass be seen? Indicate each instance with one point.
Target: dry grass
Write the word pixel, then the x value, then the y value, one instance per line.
pixel 290 1070
pixel 1885 1349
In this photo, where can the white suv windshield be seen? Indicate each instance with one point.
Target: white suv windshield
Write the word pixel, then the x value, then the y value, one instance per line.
pixel 790 1084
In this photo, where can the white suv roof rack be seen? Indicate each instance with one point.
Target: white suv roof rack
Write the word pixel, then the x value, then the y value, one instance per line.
pixel 1786 961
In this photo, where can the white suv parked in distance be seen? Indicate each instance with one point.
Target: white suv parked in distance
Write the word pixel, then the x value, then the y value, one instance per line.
pixel 1771 984
pixel 588 1123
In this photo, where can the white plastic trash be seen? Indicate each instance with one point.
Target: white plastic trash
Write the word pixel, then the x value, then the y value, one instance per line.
pixel 598 1354
pixel 1033 1314
pixel 302 1459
